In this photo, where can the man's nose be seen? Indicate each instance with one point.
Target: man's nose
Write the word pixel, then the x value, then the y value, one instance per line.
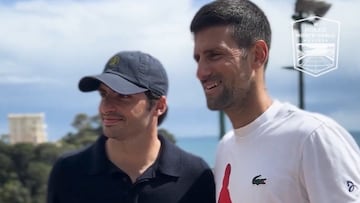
pixel 107 105
pixel 203 70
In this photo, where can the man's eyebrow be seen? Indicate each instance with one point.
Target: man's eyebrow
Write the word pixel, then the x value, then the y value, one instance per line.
pixel 208 51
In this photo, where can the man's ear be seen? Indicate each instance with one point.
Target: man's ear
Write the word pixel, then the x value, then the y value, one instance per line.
pixel 161 105
pixel 260 52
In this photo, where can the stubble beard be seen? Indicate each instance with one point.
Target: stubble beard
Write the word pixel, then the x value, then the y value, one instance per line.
pixel 219 102
pixel 108 132
pixel 114 132
pixel 228 99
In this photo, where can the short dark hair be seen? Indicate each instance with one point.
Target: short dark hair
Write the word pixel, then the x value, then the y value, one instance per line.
pixel 248 21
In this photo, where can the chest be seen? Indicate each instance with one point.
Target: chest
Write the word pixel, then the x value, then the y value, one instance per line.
pixel 119 188
pixel 259 172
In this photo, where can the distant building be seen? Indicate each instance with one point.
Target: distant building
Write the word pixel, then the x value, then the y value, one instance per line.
pixel 27 128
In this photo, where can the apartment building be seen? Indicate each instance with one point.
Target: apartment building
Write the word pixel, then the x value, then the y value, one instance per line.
pixel 27 128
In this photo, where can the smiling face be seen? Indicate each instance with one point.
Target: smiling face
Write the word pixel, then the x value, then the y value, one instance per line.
pixel 224 69
pixel 124 116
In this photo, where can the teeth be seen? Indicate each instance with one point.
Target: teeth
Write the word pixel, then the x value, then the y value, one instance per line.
pixel 212 86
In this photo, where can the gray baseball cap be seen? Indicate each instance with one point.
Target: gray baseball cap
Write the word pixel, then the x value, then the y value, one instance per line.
pixel 130 72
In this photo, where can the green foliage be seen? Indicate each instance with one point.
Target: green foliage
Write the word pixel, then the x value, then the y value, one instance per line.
pixel 25 168
pixel 167 135
pixel 81 138
pixel 24 171
pixel 47 152
pixel 21 155
pixel 4 148
pixel 81 121
pixel 5 167
pixel 14 192
pixel 84 122
pixel 4 138
pixel 37 176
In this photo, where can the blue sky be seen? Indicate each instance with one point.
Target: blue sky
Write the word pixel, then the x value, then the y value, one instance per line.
pixel 47 46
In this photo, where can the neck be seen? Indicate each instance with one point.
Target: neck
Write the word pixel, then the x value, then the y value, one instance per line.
pixel 256 103
pixel 134 156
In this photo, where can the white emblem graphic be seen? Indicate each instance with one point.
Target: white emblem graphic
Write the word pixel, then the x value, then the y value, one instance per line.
pixel 316 45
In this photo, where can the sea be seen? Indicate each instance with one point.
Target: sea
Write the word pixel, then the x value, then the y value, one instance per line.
pixel 205 146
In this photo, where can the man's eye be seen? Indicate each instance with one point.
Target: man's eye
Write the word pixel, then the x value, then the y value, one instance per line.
pixel 214 56
pixel 197 58
pixel 122 96
pixel 102 94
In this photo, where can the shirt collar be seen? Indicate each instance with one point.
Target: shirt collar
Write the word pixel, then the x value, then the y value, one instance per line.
pixel 168 163
pixel 169 158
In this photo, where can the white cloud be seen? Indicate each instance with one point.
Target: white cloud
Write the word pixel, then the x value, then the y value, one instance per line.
pixel 73 35
pixel 26 80
pixel 16 73
pixel 58 42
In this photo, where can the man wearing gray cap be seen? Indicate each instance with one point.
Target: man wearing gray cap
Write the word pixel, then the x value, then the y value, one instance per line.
pixel 130 162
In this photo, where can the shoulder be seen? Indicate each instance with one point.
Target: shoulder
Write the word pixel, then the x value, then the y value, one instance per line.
pixel 175 153
pixel 76 155
pixel 318 129
pixel 73 159
pixel 84 156
pixel 176 161
pixel 304 121
pixel 193 160
pixel 84 160
pixel 194 178
pixel 66 169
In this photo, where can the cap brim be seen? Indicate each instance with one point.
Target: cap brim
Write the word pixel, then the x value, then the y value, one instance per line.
pixel 115 82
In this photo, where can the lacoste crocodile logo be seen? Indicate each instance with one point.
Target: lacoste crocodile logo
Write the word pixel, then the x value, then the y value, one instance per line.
pixel 257 180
